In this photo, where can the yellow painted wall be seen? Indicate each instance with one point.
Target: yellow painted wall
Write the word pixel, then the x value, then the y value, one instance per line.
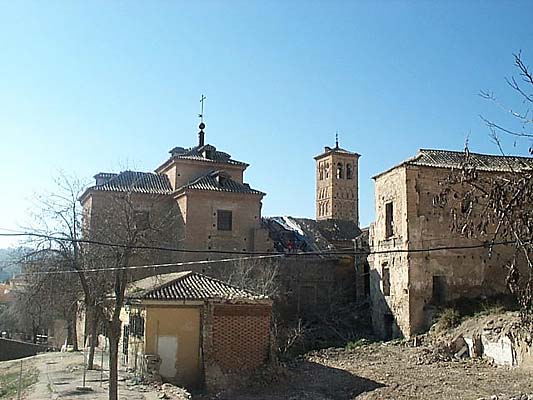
pixel 184 323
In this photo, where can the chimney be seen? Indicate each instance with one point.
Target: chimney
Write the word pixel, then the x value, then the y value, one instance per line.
pixel 103 177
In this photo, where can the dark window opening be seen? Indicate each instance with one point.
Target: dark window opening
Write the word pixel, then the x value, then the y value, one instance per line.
pixel 389 219
pixel 136 327
pixel 125 340
pixel 366 279
pixel 141 220
pixel 385 278
pixel 224 220
pixel 339 171
pixel 349 173
pixel 388 324
pixel 439 289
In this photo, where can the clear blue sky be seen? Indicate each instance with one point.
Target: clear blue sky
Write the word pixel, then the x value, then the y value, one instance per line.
pixel 106 86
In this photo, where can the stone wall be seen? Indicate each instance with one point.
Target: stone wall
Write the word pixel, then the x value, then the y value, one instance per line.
pixel 439 277
pixel 421 282
pixel 390 189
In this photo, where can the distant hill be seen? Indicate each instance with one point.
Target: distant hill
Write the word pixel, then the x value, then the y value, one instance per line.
pixel 9 262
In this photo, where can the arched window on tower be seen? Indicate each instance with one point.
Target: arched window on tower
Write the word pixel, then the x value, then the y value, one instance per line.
pixel 349 172
pixel 321 171
pixel 339 171
pixel 326 170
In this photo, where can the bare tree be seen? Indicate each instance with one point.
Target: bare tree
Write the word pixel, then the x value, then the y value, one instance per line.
pixel 499 206
pixel 46 295
pixel 123 240
pixel 57 228
pixel 257 275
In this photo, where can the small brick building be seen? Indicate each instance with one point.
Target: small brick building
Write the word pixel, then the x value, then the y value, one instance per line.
pixel 195 330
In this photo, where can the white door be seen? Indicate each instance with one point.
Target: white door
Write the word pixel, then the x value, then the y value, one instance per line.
pixel 167 348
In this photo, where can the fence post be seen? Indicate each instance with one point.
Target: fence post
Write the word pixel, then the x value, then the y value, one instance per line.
pixel 19 392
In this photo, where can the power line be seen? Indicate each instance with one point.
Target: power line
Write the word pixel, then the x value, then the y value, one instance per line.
pixel 135 267
pixel 486 245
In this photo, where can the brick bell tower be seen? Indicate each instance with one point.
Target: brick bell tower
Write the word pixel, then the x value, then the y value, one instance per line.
pixel 337 187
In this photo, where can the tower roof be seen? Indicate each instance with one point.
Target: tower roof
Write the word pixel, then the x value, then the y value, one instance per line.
pixel 335 150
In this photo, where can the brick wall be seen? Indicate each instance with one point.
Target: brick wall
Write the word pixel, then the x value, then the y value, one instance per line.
pixel 236 341
pixel 241 336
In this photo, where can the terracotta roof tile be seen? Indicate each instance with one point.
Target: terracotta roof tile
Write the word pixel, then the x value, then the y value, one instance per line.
pixel 220 182
pixel 484 162
pixel 456 159
pixel 197 153
pixel 187 285
pixel 138 182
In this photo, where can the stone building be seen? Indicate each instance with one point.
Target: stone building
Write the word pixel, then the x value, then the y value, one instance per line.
pixel 197 199
pixel 407 283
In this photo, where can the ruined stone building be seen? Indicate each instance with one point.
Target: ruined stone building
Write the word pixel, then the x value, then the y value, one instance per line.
pixel 196 200
pixel 326 273
pixel 407 284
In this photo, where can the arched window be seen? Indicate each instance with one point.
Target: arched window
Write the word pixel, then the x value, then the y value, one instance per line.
pixel 321 171
pixel 349 172
pixel 327 170
pixel 339 171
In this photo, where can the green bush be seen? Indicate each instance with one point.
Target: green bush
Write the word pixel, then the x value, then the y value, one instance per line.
pixel 448 318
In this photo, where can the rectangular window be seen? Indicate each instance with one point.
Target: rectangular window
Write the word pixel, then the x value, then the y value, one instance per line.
pixel 141 220
pixel 136 327
pixel 389 219
pixel 224 220
pixel 439 289
pixel 385 278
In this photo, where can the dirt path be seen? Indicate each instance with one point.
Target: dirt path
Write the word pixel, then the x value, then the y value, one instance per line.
pixel 60 376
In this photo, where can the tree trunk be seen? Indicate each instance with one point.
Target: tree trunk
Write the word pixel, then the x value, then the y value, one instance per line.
pixel 114 337
pixel 74 327
pixel 92 331
pixel 72 335
pixel 34 333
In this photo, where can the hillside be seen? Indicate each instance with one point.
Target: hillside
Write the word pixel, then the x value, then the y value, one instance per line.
pixel 9 262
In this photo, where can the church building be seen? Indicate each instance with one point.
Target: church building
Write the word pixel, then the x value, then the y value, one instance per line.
pixel 200 189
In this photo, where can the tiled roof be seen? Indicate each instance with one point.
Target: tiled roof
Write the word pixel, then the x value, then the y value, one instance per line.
pixel 199 153
pixel 456 159
pixel 187 285
pixel 485 162
pixel 138 182
pixel 328 150
pixel 220 182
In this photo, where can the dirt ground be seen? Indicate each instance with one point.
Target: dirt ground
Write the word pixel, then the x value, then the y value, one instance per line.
pixel 393 371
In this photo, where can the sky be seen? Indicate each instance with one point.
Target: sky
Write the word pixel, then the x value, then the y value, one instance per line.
pixel 107 86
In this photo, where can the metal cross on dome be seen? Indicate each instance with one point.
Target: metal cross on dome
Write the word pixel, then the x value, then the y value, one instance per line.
pixel 201 115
